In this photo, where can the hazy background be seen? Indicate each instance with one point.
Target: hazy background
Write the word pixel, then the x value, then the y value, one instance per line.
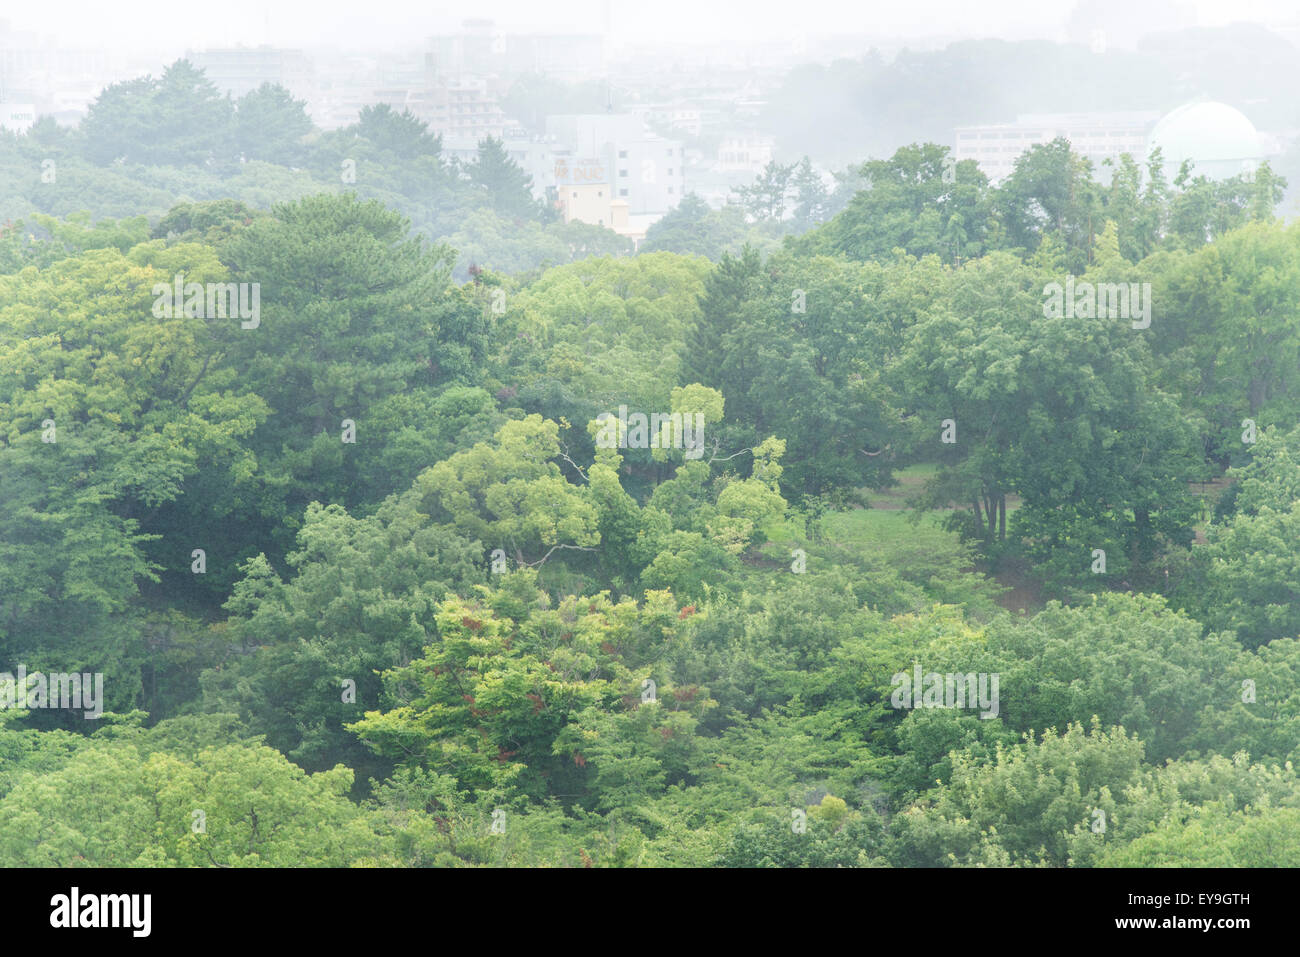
pixel 165 24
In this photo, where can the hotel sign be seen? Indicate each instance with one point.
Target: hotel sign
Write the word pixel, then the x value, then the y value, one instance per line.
pixel 580 172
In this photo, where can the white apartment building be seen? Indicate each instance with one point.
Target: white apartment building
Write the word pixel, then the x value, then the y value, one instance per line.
pixel 1098 136
pixel 463 106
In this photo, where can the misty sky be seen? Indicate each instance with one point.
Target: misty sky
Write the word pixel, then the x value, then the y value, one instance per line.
pixel 159 24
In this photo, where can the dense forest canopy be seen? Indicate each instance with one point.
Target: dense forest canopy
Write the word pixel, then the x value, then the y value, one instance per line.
pixel 419 528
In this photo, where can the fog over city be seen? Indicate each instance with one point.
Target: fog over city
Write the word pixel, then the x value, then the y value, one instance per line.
pixel 817 82
pixel 159 24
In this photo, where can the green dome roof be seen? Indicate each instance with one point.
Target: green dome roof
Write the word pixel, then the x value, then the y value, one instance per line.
pixel 1219 140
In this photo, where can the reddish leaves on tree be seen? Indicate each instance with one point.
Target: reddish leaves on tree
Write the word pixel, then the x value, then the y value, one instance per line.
pixel 473 624
pixel 686 612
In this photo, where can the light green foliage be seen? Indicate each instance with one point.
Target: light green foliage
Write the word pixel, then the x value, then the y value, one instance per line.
pixel 1028 806
pixel 589 337
pixel 510 494
pixel 116 804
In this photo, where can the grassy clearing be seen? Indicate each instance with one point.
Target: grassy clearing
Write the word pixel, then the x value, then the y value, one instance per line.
pixel 911 480
pixel 890 532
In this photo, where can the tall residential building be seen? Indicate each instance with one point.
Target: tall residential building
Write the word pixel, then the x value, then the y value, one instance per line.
pixel 462 106
pixel 240 70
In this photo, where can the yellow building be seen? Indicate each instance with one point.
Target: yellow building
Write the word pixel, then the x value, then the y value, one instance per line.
pixel 619 222
pixel 586 203
pixel 582 189
pixel 584 195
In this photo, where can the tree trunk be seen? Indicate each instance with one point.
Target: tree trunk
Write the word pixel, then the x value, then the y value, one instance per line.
pixel 1256 394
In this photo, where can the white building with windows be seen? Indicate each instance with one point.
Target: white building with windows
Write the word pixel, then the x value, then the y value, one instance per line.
pixel 1217 139
pixel 1098 136
pixel 645 170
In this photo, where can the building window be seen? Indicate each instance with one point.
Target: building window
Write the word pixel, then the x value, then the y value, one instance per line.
pixel 622 172
pixel 670 171
pixel 599 194
pixel 670 151
pixel 575 195
pixel 622 192
pixel 670 190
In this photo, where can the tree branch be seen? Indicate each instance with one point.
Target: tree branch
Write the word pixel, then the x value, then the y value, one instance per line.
pixel 578 548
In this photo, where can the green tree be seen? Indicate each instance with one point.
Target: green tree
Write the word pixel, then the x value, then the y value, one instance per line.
pixel 179 119
pixel 270 125
pixel 1051 191
pixel 303 655
pixel 501 183
pixel 919 200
